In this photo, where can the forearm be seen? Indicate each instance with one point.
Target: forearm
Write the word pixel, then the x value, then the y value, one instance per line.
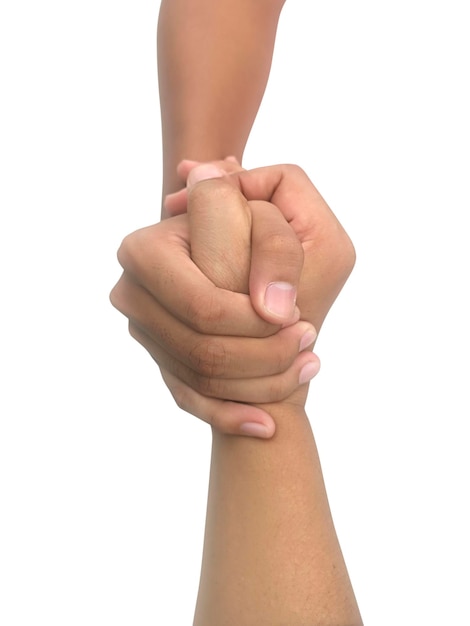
pixel 271 555
pixel 214 58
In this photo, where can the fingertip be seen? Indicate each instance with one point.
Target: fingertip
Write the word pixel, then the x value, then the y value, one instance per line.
pixel 279 300
pixel 176 203
pixel 185 166
pixel 293 320
pixel 258 430
pixel 309 371
pixel 232 159
pixel 204 171
pixel 307 339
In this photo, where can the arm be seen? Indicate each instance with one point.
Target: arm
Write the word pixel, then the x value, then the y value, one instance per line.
pixel 269 533
pixel 214 58
pixel 271 555
pixel 209 342
pixel 283 550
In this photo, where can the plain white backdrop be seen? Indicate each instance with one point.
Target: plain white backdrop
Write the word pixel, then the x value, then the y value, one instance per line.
pixel 102 480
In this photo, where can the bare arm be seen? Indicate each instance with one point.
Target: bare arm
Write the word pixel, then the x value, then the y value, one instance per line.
pixel 271 554
pixel 214 58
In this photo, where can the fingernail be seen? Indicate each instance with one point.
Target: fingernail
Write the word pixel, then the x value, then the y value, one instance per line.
pixel 279 299
pixel 190 162
pixel 254 429
pixel 308 372
pixel 307 339
pixel 204 172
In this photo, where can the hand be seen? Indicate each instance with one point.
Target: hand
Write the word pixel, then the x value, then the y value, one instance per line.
pixel 189 325
pixel 327 246
pixel 323 239
pixel 329 255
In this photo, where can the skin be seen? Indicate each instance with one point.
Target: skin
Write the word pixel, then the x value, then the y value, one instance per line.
pixel 205 352
pixel 210 356
pixel 271 555
pixel 198 45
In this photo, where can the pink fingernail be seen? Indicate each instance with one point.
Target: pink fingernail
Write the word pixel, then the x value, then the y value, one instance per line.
pixel 307 339
pixel 308 372
pixel 254 429
pixel 279 299
pixel 204 171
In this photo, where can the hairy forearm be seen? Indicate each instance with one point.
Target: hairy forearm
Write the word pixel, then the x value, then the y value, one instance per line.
pixel 214 58
pixel 271 555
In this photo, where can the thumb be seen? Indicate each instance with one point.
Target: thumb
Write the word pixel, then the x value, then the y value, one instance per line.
pixel 276 265
pixel 230 234
pixel 220 230
pixel 204 171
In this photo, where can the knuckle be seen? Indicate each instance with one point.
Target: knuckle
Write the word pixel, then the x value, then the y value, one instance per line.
pixel 181 395
pixel 120 296
pixel 221 192
pixel 209 387
pixel 134 331
pixel 288 246
pixel 280 352
pixel 279 390
pixel 117 297
pixel 295 172
pixel 345 254
pixel 349 254
pixel 204 313
pixel 136 248
pixel 285 247
pixel 209 358
pixel 125 251
pixel 293 168
pixel 114 297
pixel 283 357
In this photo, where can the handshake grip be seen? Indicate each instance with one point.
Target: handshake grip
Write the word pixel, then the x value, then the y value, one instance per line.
pixel 231 361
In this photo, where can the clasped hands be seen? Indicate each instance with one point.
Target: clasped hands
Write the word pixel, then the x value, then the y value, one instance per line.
pixel 228 294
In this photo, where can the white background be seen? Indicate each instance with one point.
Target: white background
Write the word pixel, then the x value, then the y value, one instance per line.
pixel 102 481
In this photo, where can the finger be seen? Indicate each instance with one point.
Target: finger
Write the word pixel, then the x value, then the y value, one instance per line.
pixel 261 390
pixel 227 165
pixel 231 418
pixel 210 355
pixel 276 264
pixel 185 166
pixel 220 233
pixel 290 189
pixel 277 253
pixel 233 159
pixel 158 258
pixel 176 203
pixel 318 230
